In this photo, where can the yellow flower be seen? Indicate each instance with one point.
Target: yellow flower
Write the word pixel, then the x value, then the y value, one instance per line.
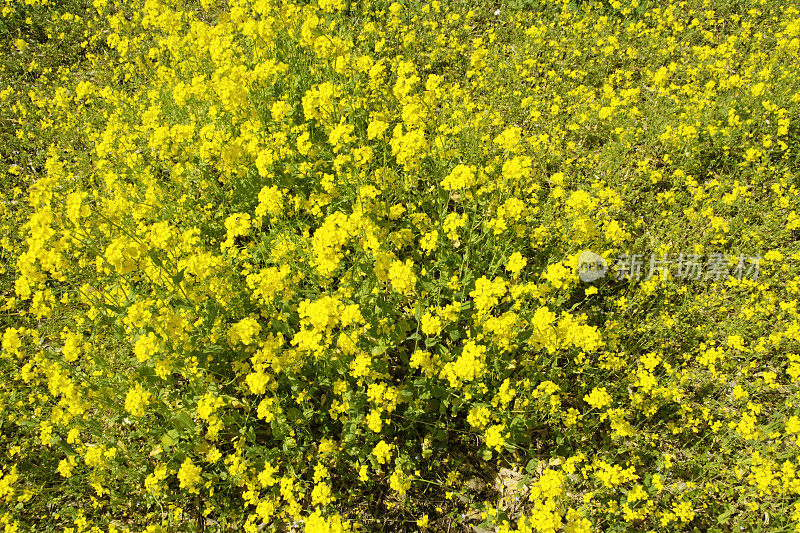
pixel 452 223
pixel 494 437
pixel 321 494
pixel 605 112
pixel 509 139
pixel 244 331
pixel 332 5
pixel 266 409
pixel 462 176
pixel 684 511
pixel 376 129
pixel 279 110
pixel 423 360
pixel 267 476
pixel 374 421
pixel 145 347
pixel 598 398
pixel 431 325
pixel 208 405
pixel 153 480
pixel 237 225
pixel 402 277
pixel 613 475
pixel 516 263
pixel 65 466
pixel 382 452
pixel 399 481
pixel 558 275
pixel 429 241
pixel 487 293
pixel 478 417
pixel 316 523
pixel 793 425
pixel 468 367
pixel 72 346
pixel 136 400
pixel 189 475
pixel 550 485
pixel 11 341
pixel 517 168
pixel 408 147
pixel 270 201
pixel 340 136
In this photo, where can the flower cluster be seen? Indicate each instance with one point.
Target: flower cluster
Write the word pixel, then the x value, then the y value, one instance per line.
pixel 274 264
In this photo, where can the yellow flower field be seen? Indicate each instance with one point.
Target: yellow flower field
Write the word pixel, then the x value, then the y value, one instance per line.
pixel 321 266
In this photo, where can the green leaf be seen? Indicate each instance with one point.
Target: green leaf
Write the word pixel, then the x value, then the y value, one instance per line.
pixel 177 278
pixel 156 260
pixel 167 441
pixel 724 517
pixel 183 421
pixel 65 446
pixel 379 349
